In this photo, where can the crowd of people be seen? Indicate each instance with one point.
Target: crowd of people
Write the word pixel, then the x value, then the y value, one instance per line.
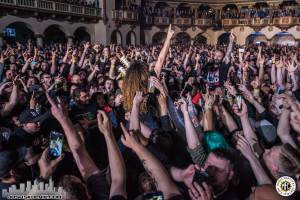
pixel 196 122
pixel 93 3
pixel 264 12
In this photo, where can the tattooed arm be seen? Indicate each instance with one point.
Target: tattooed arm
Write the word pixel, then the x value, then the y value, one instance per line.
pixel 151 164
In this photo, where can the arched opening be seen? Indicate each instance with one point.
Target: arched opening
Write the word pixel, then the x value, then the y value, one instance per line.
pixel 130 38
pixel 54 34
pixel 17 32
pixel 182 38
pixel 288 3
pixel 119 4
pixel 142 37
pixel 230 11
pixel 184 10
pixel 161 5
pixel 205 11
pixel 81 34
pixel 284 38
pixel 259 5
pixel 159 37
pixel 116 37
pixel 256 38
pixel 224 38
pixel 230 7
pixel 200 39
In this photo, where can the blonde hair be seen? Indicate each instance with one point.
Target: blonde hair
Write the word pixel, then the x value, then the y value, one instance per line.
pixel 136 79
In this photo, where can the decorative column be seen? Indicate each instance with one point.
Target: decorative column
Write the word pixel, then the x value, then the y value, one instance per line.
pixel 39 40
pixel 69 41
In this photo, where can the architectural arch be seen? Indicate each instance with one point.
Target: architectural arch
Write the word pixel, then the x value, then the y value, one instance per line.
pixel 200 39
pixel 182 38
pixel 116 37
pixel 18 32
pixel 81 34
pixel 159 37
pixel 131 38
pixel 256 38
pixel 224 38
pixel 284 38
pixel 54 33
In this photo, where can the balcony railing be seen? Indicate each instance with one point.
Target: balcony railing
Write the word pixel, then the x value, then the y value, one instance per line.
pixel 149 20
pixel 261 21
pixel 183 21
pixel 161 21
pixel 51 6
pixel 203 22
pixel 282 22
pixel 125 15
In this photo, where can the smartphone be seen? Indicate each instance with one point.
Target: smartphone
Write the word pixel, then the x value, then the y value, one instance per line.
pixel 241 50
pixel 151 87
pixel 238 100
pixel 56 144
pixel 153 196
pixel 200 177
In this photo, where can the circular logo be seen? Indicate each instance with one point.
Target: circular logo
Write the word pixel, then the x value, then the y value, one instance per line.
pixel 285 186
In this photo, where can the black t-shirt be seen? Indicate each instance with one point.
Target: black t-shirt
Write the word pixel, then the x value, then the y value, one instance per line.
pixel 21 138
pixel 81 112
pixel 217 75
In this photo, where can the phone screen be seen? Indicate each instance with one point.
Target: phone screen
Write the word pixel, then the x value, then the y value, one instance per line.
pixel 154 196
pixel 56 144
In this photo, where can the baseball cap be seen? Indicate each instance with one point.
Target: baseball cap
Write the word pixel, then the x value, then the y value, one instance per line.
pixel 9 158
pixel 31 116
pixel 267 131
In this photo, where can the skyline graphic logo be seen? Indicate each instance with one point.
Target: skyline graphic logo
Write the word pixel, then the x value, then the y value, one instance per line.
pixel 39 190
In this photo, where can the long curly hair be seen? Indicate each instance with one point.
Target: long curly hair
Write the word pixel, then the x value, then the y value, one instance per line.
pixel 136 79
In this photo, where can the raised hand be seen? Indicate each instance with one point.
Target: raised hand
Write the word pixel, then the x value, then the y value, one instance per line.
pixel 87 45
pixel 232 37
pixel 47 166
pixel 170 32
pixel 244 147
pixel 240 112
pixel 255 83
pixel 130 139
pixel 291 67
pixel 32 102
pixel 58 110
pixel 230 88
pixel 104 123
pixel 200 192
pixel 138 98
pixel 183 105
pixel 246 93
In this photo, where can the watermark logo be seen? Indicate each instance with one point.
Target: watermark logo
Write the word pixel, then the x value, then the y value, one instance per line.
pixel 285 186
pixel 39 190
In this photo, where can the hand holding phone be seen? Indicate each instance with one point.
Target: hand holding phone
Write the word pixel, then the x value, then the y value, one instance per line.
pixel 56 144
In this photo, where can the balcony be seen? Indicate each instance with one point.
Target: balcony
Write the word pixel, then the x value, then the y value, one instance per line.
pixel 125 16
pixel 260 22
pixel 285 22
pixel 52 7
pixel 148 20
pixel 183 21
pixel 161 21
pixel 203 22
